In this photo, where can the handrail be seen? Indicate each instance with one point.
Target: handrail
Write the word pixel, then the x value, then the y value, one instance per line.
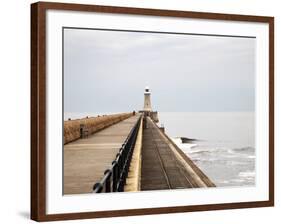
pixel 114 179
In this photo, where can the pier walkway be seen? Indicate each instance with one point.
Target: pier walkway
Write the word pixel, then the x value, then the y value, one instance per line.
pixel 85 160
pixel 164 166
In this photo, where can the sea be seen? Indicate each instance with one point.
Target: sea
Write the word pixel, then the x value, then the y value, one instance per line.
pixel 221 144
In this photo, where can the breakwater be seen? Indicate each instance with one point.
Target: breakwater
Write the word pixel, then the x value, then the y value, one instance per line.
pixel 116 157
pixel 75 129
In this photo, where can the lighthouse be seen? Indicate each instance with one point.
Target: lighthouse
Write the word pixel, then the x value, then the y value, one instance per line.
pixel 147 101
pixel 147 109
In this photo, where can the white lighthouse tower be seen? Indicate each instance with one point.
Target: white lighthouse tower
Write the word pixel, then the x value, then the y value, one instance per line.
pixel 147 109
pixel 147 101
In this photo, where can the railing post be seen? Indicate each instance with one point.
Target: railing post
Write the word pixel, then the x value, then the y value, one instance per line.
pixel 108 180
pixel 114 176
pixel 97 187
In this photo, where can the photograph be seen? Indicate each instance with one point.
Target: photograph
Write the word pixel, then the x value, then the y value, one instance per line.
pixel 153 111
pixel 141 111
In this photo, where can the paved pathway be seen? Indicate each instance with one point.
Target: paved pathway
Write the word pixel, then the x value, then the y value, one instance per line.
pixel 85 160
pixel 161 169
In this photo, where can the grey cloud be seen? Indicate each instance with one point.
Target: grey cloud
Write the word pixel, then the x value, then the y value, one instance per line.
pixel 108 70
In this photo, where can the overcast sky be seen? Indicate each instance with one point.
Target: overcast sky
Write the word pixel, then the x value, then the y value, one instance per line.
pixel 107 71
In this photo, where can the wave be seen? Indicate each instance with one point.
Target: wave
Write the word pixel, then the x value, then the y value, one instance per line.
pixel 247 174
pixel 187 140
pixel 244 149
pixel 183 146
pixel 207 150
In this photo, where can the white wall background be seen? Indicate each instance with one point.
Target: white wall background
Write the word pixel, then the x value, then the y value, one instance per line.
pixel 15 104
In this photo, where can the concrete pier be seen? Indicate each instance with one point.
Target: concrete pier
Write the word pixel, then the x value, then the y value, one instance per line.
pixel 75 129
pixel 151 160
pixel 163 164
pixel 133 181
pixel 85 160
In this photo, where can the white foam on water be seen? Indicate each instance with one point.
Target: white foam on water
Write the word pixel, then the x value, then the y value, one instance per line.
pixel 183 146
pixel 247 174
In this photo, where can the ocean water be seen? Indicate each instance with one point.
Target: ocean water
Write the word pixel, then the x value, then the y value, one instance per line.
pixel 224 145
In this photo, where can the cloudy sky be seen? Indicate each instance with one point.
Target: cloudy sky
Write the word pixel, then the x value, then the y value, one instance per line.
pixel 107 71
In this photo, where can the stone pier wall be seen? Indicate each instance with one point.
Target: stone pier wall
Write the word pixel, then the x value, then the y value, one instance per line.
pixel 90 125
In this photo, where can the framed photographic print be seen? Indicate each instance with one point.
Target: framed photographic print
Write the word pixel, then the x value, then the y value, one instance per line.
pixel 143 111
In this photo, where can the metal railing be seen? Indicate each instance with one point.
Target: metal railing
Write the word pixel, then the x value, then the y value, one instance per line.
pixel 114 179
